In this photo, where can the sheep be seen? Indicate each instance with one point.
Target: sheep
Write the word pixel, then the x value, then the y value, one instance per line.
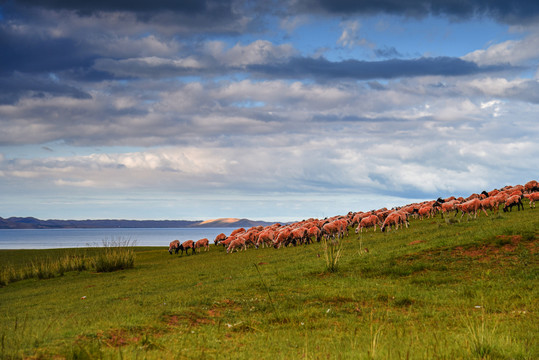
pixel 332 229
pixel 425 210
pixel 282 238
pixel 219 238
pixel 265 237
pixel 512 201
pixel 205 243
pixel 314 231
pixel 531 186
pixel 470 206
pixel 228 240
pixel 237 243
pixel 251 236
pixel 237 231
pixel 399 217
pixel 448 206
pixel 299 235
pixel 490 203
pixel 186 245
pixel 533 197
pixel 174 246
pixel 395 218
pixel 370 221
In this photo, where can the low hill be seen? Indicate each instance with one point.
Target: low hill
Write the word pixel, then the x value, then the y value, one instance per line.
pixel 34 223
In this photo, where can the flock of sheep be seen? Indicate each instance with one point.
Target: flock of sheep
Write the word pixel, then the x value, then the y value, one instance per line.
pixel 307 231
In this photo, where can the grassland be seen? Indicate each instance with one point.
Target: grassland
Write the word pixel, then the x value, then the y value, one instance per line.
pixel 437 290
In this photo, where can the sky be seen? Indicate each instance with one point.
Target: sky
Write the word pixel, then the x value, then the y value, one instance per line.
pixel 269 110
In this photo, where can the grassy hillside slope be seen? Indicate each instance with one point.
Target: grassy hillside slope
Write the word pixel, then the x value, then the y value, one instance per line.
pixel 437 290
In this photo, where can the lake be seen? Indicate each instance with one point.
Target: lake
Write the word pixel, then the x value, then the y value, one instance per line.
pixel 78 238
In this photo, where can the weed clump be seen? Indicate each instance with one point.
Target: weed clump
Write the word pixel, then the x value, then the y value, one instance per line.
pixel 332 253
pixel 114 255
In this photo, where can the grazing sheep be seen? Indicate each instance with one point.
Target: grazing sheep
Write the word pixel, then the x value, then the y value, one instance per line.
pixel 237 243
pixel 186 245
pixel 251 236
pixel 299 235
pixel 396 218
pixel 265 237
pixel 219 238
pixel 512 201
pixel 533 197
pixel 174 246
pixel 471 206
pixel 314 231
pixel 205 243
pixel 228 240
pixel 332 229
pixel 367 222
pixel 531 186
pixel 282 238
pixel 490 203
pixel 425 210
pixel 448 206
pixel 237 231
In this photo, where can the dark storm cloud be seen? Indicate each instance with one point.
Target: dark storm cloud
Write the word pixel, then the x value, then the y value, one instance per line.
pixel 18 85
pixel 88 7
pixel 31 54
pixel 502 10
pixel 322 68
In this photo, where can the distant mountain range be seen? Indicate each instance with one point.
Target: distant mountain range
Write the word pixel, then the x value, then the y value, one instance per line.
pixel 33 223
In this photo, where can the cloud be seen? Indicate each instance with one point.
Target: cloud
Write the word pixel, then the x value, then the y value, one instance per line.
pixel 513 12
pixel 19 85
pixel 387 52
pixel 514 52
pixel 350 35
pixel 321 68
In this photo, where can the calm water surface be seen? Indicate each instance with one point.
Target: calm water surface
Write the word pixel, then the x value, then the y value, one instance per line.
pixel 76 238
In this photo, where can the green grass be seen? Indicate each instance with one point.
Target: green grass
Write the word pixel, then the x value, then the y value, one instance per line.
pixel 437 290
pixel 113 256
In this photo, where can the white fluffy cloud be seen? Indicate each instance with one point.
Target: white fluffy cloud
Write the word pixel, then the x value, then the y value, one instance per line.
pixel 514 52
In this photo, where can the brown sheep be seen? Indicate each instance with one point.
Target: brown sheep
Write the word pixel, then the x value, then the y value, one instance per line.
pixel 332 229
pixel 367 222
pixel 533 197
pixel 265 237
pixel 512 201
pixel 237 243
pixel 314 231
pixel 219 238
pixel 282 238
pixel 531 186
pixel 470 206
pixel 205 243
pixel 396 218
pixel 237 231
pixel 174 246
pixel 186 245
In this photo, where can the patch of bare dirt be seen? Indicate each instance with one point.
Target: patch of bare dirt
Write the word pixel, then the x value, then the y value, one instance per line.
pixel 504 246
pixel 190 318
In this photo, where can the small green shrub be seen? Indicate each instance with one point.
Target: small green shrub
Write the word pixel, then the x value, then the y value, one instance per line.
pixel 114 258
pixel 482 336
pixel 332 253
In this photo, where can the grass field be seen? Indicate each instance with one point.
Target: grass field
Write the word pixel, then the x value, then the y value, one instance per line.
pixel 437 290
